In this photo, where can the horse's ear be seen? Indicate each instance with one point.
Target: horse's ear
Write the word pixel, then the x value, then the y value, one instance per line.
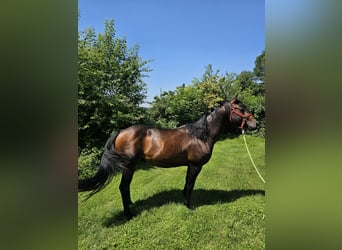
pixel 233 100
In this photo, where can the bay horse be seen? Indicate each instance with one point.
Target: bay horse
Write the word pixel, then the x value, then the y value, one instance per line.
pixel 190 145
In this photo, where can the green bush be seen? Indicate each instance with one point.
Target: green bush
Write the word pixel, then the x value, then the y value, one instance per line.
pixel 88 162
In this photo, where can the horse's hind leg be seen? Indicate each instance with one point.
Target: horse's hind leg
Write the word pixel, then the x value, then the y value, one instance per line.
pixel 191 176
pixel 126 180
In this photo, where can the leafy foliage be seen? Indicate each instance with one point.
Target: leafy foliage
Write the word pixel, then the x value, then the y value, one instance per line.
pixel 187 103
pixel 88 162
pixel 110 86
pixel 174 108
pixel 259 69
pixel 209 88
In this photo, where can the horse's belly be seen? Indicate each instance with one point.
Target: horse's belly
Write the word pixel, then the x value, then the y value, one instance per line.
pixel 165 159
pixel 167 164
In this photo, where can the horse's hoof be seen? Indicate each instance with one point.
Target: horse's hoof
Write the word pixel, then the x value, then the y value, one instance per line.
pixel 187 204
pixel 129 217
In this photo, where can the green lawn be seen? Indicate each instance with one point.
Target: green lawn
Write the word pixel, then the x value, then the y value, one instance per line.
pixel 228 206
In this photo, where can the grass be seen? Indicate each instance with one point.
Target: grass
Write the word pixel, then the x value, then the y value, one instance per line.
pixel 228 206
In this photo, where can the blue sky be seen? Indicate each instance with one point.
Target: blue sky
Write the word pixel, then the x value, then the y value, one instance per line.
pixel 183 37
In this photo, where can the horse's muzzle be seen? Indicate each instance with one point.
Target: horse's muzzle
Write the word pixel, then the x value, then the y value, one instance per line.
pixel 252 125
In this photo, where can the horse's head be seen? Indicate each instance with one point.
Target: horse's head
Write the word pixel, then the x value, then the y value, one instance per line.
pixel 240 116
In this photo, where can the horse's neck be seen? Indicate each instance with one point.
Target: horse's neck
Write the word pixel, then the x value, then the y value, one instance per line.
pixel 216 123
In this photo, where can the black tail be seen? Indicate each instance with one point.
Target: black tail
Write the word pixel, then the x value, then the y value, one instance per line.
pixel 111 162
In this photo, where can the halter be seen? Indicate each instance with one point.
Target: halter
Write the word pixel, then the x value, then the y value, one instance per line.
pixel 237 112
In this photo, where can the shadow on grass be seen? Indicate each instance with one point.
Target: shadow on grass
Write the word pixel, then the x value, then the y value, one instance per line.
pixel 199 198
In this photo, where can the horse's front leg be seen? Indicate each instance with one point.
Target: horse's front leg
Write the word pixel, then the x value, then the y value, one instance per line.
pixel 126 180
pixel 191 176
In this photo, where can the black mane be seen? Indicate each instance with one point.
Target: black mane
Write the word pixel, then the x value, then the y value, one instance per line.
pixel 200 128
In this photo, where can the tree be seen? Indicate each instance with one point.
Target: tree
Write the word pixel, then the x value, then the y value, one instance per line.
pixel 245 80
pixel 259 69
pixel 209 87
pixel 175 108
pixel 252 91
pixel 228 86
pixel 110 86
